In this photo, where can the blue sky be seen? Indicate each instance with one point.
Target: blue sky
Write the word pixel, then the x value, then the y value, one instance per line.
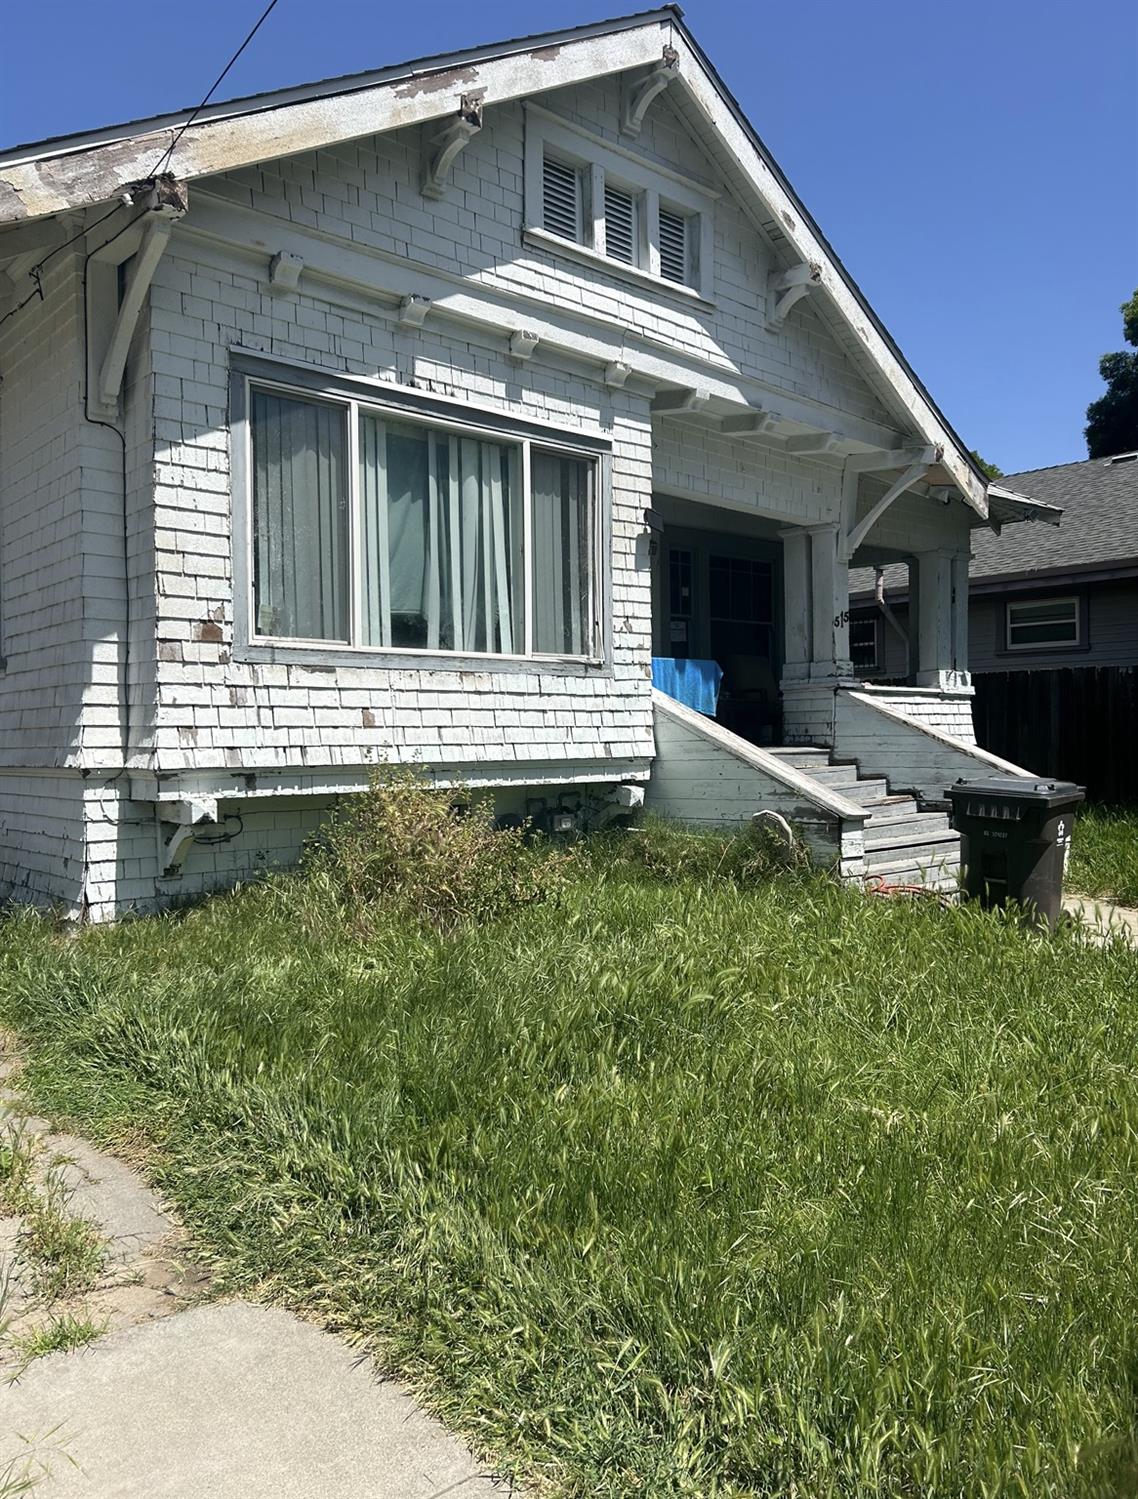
pixel 973 164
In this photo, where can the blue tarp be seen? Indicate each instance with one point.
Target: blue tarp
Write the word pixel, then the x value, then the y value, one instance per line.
pixel 694 683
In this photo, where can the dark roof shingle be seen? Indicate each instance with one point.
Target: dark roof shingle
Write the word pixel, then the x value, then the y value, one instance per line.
pixel 1099 500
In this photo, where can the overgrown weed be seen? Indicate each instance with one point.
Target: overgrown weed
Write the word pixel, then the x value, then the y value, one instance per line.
pixel 407 848
pixel 65 1253
pixel 1104 854
pixel 682 1186
pixel 59 1334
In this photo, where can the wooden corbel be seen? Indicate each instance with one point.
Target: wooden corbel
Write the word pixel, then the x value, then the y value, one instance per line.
pixel 523 343
pixel 790 287
pixel 413 311
pixel 677 401
pixel 755 423
pixel 284 273
pixel 641 94
pixel 182 818
pixel 814 444
pixel 920 461
pixel 443 149
pixel 143 247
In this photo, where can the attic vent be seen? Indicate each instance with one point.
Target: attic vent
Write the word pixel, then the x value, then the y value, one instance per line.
pixel 1123 458
pixel 673 246
pixel 621 239
pixel 561 199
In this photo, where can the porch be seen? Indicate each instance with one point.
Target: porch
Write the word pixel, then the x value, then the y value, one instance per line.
pixel 766 607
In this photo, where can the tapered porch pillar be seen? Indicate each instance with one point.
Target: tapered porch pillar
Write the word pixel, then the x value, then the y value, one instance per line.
pixel 816 591
pixel 942 619
pixel 830 605
pixel 796 604
pixel 962 673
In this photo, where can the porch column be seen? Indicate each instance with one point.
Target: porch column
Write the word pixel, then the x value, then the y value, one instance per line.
pixel 830 605
pixel 935 658
pixel 796 604
pixel 961 673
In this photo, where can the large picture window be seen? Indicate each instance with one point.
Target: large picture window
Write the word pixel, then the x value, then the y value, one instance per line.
pixel 375 529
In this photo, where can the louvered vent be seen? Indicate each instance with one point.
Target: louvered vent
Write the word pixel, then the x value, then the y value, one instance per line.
pixel 620 225
pixel 561 199
pixel 673 246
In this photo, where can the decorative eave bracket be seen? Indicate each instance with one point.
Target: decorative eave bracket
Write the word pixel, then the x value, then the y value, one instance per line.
pixel 641 94
pixel 186 816
pixel 412 312
pixel 754 423
pixel 284 273
pixel 814 444
pixel 789 287
pixel 443 149
pixel 678 401
pixel 523 343
pixel 144 246
pixel 917 462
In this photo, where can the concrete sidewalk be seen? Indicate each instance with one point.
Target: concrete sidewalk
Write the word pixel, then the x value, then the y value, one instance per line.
pixel 1104 919
pixel 180 1400
pixel 229 1402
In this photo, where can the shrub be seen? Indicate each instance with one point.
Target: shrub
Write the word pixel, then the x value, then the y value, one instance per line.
pixel 407 847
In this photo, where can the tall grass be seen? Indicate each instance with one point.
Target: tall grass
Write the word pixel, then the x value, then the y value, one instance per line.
pixel 1104 854
pixel 676 1187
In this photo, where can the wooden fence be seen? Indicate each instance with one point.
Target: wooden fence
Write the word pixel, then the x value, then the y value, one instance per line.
pixel 1077 723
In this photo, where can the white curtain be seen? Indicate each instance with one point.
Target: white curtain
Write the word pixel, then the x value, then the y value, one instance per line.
pixel 441 539
pixel 562 554
pixel 300 518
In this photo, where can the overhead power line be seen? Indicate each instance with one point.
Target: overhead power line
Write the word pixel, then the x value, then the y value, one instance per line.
pixel 36 272
pixel 167 155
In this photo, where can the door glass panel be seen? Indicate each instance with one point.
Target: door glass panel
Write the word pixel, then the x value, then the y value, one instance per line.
pixel 680 570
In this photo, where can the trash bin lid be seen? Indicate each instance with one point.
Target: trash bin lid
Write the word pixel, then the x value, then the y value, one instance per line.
pixel 1037 790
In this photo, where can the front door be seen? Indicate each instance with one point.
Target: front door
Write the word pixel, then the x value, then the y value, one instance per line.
pixel 721 603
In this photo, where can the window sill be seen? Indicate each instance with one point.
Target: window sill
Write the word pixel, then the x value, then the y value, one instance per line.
pixel 541 239
pixel 1048 648
pixel 332 655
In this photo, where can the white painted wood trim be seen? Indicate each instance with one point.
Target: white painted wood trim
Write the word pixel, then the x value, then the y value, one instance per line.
pixel 368 279
pixel 795 780
pixel 973 751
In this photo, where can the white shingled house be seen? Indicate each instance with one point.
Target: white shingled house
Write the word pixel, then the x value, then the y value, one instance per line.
pixel 422 416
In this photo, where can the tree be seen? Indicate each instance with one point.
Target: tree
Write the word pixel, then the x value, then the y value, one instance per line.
pixel 1112 420
pixel 989 470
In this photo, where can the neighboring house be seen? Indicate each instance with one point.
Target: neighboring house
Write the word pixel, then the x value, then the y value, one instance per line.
pixel 405 418
pixel 1053 626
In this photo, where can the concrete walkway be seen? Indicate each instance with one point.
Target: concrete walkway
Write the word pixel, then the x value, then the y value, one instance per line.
pixel 230 1402
pixel 1104 919
pixel 185 1400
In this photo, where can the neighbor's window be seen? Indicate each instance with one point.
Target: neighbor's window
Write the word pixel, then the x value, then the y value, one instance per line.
pixel 1038 623
pixel 863 641
pixel 431 543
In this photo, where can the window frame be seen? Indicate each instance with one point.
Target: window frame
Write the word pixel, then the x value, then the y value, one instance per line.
pixel 1035 601
pixel 654 184
pixel 437 413
pixel 867 617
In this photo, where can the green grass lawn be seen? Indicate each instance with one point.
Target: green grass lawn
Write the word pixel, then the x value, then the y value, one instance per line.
pixel 668 1187
pixel 1104 854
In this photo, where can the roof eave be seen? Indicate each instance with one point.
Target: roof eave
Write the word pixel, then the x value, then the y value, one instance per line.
pixel 294 121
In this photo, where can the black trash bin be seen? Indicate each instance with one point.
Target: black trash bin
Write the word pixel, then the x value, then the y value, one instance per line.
pixel 1015 833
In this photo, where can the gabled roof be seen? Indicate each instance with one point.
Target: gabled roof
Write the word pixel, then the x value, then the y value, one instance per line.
pixel 83 170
